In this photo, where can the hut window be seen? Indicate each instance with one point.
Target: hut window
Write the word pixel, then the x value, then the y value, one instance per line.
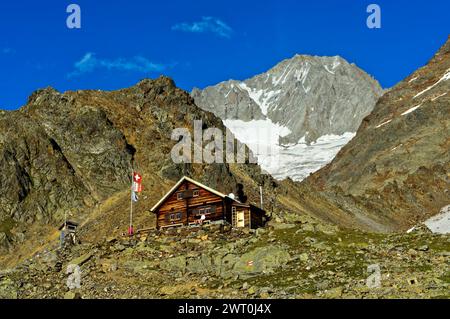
pixel 180 195
pixel 205 211
pixel 196 193
pixel 175 217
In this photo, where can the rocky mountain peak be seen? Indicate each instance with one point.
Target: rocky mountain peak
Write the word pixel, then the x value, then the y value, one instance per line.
pixel 161 84
pixel 41 95
pixel 445 49
pixel 301 102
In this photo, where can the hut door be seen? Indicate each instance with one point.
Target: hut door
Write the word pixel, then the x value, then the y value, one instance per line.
pixel 240 219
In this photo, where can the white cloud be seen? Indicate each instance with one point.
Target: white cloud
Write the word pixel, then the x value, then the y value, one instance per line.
pixel 207 24
pixel 7 51
pixel 90 62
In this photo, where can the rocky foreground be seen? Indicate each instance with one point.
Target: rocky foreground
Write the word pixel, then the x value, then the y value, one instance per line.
pixel 293 257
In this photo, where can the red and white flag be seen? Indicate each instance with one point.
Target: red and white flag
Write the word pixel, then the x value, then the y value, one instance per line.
pixel 137 178
pixel 137 188
pixel 137 183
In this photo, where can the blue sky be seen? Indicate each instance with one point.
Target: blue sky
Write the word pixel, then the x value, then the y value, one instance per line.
pixel 200 43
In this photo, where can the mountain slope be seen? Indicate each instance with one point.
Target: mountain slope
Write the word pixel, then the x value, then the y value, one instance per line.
pixel 398 163
pixel 74 152
pixel 311 105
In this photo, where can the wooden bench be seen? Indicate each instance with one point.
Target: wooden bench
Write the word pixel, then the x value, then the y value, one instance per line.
pixel 172 226
pixel 206 222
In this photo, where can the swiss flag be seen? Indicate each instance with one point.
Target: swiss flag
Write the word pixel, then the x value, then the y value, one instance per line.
pixel 137 182
pixel 137 187
pixel 137 178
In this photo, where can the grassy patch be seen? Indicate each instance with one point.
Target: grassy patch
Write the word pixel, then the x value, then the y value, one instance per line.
pixel 446 277
pixel 7 225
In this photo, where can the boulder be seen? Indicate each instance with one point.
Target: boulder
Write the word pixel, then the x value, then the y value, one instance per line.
pixel 168 290
pixel 175 264
pixel 327 229
pixel 137 265
pixel 308 228
pixel 82 259
pixel 225 264
pixel 108 265
pixel 334 293
pixel 72 295
pixel 304 257
pixel 261 260
pixel 8 289
pixel 4 241
pixel 199 265
pixel 282 226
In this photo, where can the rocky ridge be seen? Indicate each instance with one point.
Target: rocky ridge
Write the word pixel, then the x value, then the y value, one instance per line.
pixel 396 167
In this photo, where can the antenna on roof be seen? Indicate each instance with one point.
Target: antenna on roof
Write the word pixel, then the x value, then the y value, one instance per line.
pixel 261 195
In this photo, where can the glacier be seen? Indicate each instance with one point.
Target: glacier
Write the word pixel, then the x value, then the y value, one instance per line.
pixel 296 161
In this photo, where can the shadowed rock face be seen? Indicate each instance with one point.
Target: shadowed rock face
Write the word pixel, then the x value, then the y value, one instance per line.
pixel 398 163
pixel 56 154
pixel 311 96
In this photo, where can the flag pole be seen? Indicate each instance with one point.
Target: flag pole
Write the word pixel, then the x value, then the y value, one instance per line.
pixel 130 229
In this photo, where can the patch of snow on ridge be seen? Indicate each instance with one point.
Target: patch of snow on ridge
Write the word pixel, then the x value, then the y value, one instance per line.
pixel 266 97
pixel 286 77
pixel 302 74
pixel 296 160
pixel 440 224
pixel 231 90
pixel 275 82
pixel 328 70
pixel 411 109
pixel 445 77
pixel 254 94
pixel 260 97
pixel 438 97
pixel 383 124
pixel 335 64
